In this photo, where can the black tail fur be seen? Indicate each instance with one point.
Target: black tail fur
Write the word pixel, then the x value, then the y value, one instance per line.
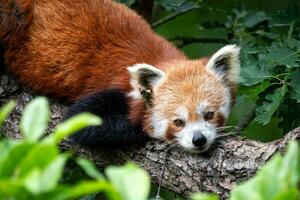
pixel 116 130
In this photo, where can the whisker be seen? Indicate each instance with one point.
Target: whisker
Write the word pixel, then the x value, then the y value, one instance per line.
pixel 171 147
pixel 225 127
pixel 227 134
pixel 172 144
pixel 177 149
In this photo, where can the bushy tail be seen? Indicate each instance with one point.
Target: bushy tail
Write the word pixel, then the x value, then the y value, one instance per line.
pixel 15 16
pixel 116 129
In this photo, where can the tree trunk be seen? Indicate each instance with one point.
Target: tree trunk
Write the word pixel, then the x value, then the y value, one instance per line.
pixel 231 160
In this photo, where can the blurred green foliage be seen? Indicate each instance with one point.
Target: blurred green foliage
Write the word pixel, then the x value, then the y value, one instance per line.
pixel 269 34
pixel 33 167
pixel 277 180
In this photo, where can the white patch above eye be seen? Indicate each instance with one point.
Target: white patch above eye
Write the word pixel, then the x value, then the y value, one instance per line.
pixel 202 107
pixel 181 113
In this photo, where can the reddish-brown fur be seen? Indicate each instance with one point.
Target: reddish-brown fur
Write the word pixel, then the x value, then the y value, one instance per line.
pixel 70 48
pixel 75 47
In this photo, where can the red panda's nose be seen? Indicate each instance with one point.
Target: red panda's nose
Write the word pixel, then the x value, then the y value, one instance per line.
pixel 199 139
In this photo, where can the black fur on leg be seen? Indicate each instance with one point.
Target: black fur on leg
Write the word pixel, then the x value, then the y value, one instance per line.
pixel 116 129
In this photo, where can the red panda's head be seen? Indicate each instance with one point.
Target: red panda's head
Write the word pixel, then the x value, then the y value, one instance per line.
pixel 189 100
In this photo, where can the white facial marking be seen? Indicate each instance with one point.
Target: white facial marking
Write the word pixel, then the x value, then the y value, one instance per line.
pixel 185 137
pixel 202 107
pixel 181 113
pixel 160 127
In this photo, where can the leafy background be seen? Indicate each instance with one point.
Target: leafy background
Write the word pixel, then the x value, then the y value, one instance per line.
pixel 268 33
pixel 268 98
pixel 28 174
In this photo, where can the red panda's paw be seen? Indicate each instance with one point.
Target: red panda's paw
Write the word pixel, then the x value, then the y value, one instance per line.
pixel 116 129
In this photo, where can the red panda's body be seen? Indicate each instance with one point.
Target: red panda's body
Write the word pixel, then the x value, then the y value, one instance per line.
pixel 77 47
pixel 69 49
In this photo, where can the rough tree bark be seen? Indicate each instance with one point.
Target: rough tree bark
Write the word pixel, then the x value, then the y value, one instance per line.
pixel 231 160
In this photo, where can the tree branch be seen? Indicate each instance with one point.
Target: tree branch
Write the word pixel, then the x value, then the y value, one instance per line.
pixel 188 40
pixel 231 160
pixel 171 17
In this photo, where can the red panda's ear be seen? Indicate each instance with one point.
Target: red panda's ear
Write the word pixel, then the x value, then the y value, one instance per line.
pixel 226 63
pixel 144 76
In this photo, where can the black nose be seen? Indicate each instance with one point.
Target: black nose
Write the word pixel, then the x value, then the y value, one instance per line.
pixel 199 139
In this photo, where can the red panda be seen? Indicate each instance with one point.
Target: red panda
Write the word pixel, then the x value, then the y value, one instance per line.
pixel 107 60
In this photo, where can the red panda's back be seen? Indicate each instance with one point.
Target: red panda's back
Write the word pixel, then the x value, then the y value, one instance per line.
pixel 76 47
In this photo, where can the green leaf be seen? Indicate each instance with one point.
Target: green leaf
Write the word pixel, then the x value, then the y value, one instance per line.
pixel 6 110
pixel 179 6
pixel 90 187
pixel 295 83
pixel 31 182
pixel 39 181
pixel 132 182
pixel 253 70
pixel 12 189
pixel 39 157
pixel 282 56
pixel 204 196
pixel 35 119
pixel 290 172
pixel 53 173
pixel 61 192
pixel 254 18
pixel 12 159
pixel 277 180
pixel 5 147
pixel 254 74
pixel 284 172
pixel 286 16
pixel 89 168
pixel 268 108
pixel 73 125
pixel 269 35
pixel 251 93
pixel 290 194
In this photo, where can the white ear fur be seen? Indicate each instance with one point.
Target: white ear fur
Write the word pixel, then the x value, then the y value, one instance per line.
pixel 144 76
pixel 226 63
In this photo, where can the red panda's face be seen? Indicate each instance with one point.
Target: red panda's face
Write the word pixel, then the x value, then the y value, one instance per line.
pixel 190 101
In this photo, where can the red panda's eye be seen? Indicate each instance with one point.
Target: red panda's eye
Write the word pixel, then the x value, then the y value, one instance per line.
pixel 179 122
pixel 209 115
